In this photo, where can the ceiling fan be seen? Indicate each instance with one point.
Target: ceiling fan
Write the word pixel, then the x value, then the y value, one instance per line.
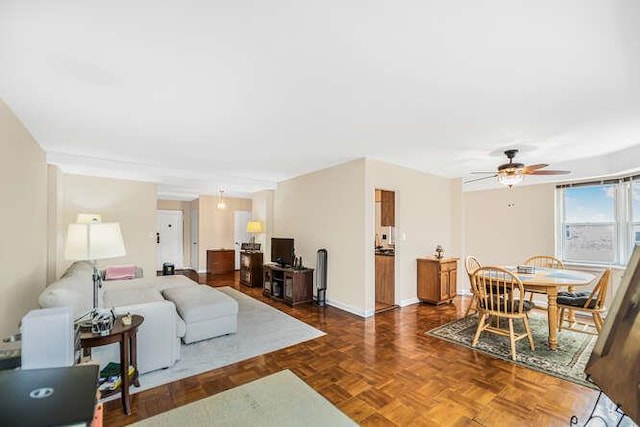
pixel 512 173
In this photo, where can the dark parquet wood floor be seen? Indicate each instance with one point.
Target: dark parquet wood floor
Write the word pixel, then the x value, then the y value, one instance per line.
pixel 384 371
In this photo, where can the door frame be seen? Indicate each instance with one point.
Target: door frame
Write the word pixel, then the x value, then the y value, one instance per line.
pixel 240 235
pixel 179 263
pixel 194 244
pixel 396 244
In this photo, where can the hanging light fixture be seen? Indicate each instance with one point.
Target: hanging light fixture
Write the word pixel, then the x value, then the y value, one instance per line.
pixel 221 204
pixel 510 177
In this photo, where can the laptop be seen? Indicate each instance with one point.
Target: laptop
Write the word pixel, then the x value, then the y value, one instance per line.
pixel 48 397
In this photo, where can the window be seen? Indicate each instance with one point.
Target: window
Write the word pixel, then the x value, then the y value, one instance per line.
pixel 599 223
pixel 635 210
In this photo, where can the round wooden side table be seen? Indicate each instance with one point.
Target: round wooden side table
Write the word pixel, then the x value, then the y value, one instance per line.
pixel 125 335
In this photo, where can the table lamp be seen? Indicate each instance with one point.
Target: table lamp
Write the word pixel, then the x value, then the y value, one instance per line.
pixel 91 239
pixel 254 227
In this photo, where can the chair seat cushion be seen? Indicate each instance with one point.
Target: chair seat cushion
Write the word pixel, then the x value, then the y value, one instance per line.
pixel 499 305
pixel 575 299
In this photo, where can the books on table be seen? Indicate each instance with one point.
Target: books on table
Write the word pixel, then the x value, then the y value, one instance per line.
pixel 110 378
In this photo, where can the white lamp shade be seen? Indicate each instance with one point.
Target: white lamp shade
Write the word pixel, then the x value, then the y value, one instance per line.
pixel 94 241
pixel 254 227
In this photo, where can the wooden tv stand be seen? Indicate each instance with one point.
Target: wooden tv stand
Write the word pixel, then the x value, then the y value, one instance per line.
pixel 289 285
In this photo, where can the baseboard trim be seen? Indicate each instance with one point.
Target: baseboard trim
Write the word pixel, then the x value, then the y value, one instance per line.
pixel 409 301
pixel 350 309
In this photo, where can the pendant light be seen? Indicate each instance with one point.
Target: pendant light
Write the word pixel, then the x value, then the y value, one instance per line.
pixel 221 204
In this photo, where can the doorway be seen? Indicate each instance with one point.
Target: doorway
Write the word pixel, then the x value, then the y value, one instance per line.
pixel 385 250
pixel 169 239
pixel 240 235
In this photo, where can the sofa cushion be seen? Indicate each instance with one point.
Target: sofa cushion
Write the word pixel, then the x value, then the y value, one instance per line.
pixel 118 297
pixel 74 291
pixel 198 303
pixel 181 327
pixel 161 283
pixel 78 268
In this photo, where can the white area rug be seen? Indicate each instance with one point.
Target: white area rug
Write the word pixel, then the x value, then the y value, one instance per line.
pixel 280 399
pixel 261 329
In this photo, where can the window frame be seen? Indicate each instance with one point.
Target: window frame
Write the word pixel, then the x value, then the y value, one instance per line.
pixel 623 219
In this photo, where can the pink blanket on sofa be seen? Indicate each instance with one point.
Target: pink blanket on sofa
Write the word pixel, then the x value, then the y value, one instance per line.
pixel 120 272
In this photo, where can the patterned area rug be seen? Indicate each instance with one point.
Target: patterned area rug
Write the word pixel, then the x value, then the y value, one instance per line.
pixel 568 362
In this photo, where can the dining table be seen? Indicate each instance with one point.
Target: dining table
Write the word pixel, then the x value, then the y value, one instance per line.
pixel 549 281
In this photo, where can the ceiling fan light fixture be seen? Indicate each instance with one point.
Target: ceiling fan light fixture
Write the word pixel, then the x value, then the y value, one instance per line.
pixel 510 178
pixel 510 174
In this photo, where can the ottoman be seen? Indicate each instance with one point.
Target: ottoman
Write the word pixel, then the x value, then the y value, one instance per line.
pixel 207 312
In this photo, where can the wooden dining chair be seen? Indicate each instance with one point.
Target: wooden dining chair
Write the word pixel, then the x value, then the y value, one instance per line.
pixel 500 295
pixel 471 264
pixel 543 261
pixel 590 302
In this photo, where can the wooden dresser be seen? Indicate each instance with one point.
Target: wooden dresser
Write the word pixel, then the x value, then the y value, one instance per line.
pixel 221 261
pixel 437 279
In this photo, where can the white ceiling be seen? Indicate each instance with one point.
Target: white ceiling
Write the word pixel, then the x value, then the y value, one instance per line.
pixel 239 95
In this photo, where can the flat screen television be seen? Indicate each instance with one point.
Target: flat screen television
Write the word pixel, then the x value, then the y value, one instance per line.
pixel 282 251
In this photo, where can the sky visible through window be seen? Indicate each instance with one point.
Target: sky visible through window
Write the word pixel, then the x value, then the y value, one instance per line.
pixel 591 229
pixel 594 204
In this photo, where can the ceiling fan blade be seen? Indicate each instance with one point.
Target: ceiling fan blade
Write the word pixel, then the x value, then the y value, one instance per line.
pixel 483 172
pixel 480 179
pixel 530 168
pixel 548 172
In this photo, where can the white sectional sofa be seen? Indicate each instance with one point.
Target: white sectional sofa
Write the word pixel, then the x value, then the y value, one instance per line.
pixel 159 337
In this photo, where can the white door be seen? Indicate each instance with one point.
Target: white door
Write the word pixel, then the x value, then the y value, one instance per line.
pixel 194 239
pixel 240 235
pixel 169 238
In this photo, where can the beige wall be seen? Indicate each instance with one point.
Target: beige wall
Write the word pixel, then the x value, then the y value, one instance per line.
pixel 55 222
pixel 426 215
pixel 458 224
pixel 508 226
pixel 325 209
pixel 131 203
pixel 215 226
pixel 335 209
pixel 185 207
pixel 23 246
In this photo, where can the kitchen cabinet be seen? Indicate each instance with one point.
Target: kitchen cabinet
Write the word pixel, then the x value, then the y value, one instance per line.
pixel 437 279
pixel 385 279
pixel 387 208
